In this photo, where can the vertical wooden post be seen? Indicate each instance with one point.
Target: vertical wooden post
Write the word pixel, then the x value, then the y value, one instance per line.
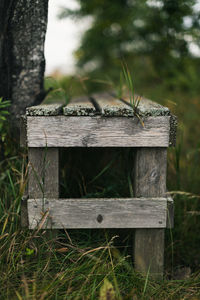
pixel 43 173
pixel 150 181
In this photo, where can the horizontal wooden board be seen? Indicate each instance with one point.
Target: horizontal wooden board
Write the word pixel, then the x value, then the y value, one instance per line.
pixel 66 131
pixel 110 106
pixel 80 107
pixel 98 213
pixel 45 110
pixel 148 107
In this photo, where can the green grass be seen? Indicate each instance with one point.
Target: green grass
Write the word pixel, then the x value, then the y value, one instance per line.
pixel 83 264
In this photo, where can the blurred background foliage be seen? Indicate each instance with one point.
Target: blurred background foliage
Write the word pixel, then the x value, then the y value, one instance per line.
pixel 159 33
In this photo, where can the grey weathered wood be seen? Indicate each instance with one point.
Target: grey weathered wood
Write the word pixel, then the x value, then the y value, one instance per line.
pixel 63 131
pixel 99 213
pixel 150 172
pixel 110 106
pixel 150 181
pixel 149 252
pixel 43 172
pixel 45 110
pixel 80 107
pixel 147 107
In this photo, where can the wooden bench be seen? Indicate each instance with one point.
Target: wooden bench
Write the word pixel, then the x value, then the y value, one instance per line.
pixel 103 121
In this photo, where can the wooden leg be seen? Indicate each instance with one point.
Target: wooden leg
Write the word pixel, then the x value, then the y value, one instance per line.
pixel 150 181
pixel 43 173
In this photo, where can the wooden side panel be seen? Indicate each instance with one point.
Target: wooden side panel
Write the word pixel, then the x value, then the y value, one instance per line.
pixel 150 181
pixel 63 131
pixel 98 213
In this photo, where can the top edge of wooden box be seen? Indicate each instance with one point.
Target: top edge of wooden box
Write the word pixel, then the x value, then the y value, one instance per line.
pixel 102 104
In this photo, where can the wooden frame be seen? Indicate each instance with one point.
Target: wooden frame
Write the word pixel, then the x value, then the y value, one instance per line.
pixel 103 121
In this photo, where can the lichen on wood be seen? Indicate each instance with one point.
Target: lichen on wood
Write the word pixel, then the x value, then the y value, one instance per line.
pixel 44 110
pixel 80 107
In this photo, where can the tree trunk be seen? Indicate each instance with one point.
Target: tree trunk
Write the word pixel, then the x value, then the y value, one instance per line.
pixel 23 26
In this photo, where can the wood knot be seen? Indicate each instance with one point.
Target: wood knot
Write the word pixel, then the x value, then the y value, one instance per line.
pixel 154 176
pixel 99 218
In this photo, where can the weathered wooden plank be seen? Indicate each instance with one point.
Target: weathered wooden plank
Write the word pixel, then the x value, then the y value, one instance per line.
pixel 148 107
pixel 63 131
pixel 80 107
pixel 43 172
pixel 150 181
pixel 99 213
pixel 110 106
pixel 45 110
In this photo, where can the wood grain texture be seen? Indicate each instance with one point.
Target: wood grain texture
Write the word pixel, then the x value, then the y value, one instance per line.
pixel 148 107
pixel 150 172
pixel 110 106
pixel 99 213
pixel 150 181
pixel 149 252
pixel 63 131
pixel 80 107
pixel 43 172
pixel 44 110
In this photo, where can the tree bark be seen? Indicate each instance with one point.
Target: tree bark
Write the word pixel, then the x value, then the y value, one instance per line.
pixel 23 26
